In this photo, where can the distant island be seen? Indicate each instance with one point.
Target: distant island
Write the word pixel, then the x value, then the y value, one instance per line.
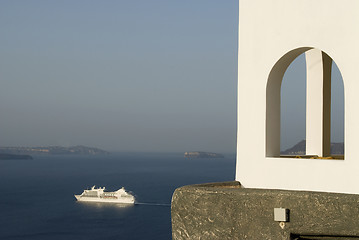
pixel 299 149
pixel 202 155
pixel 52 150
pixel 7 156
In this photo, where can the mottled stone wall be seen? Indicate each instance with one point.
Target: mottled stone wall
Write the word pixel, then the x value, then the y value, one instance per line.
pixel 227 211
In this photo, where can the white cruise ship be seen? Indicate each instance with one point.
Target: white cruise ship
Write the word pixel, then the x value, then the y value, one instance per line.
pixel 99 195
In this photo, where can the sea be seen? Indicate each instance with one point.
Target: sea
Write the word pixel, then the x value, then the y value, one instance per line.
pixel 37 196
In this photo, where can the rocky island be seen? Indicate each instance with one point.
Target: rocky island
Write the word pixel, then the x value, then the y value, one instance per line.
pixel 52 150
pixel 202 155
pixel 299 149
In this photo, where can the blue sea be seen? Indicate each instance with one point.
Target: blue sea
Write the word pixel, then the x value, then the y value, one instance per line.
pixel 37 196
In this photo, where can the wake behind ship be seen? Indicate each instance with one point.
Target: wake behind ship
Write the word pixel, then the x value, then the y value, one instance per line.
pixel 99 195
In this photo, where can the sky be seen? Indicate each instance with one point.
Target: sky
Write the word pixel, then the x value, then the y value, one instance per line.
pixel 140 75
pixel 120 75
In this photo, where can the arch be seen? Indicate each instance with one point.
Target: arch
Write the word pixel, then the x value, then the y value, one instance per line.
pixel 318 109
pixel 273 100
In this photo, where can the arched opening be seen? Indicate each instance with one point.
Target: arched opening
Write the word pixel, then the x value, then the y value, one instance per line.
pixel 305 106
pixel 293 107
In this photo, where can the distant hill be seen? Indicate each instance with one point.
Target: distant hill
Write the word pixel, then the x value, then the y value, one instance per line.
pixel 52 150
pixel 299 149
pixel 202 155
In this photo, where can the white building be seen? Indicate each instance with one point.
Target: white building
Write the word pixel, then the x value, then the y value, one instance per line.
pixel 272 33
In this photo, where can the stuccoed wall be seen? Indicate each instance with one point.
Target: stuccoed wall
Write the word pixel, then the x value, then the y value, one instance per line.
pixel 227 211
pixel 271 34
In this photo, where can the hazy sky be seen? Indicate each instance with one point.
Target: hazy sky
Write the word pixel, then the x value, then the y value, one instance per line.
pixel 139 75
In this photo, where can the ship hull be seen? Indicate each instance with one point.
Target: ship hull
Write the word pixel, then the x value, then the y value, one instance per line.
pixel 105 200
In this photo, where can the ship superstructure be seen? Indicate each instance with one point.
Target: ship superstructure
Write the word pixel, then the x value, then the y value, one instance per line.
pixel 99 195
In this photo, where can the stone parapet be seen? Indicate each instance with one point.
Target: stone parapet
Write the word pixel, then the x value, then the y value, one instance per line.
pixel 228 211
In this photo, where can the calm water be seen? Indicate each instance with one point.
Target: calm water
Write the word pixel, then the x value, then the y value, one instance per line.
pixel 37 199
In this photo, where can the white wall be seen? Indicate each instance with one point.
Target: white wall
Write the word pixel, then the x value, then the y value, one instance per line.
pixel 269 29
